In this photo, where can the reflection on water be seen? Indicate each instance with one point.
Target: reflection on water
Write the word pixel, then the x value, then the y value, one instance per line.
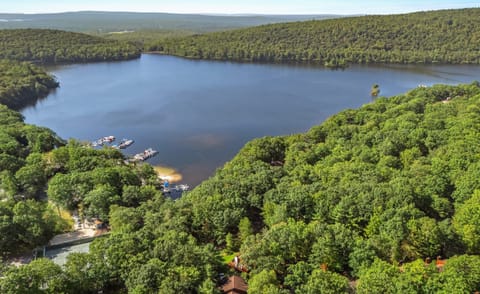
pixel 198 114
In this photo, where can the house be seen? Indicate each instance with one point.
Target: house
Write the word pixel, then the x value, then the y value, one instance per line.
pixel 235 285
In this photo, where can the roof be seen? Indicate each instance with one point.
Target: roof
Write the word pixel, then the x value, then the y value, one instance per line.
pixel 235 284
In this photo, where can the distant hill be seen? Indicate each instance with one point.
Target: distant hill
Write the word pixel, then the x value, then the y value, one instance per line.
pixel 445 36
pixel 105 22
pixel 53 46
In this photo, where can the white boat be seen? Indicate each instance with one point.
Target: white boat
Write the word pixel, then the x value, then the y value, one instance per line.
pixel 182 187
pixel 108 139
pixel 125 143
pixel 101 141
pixel 147 154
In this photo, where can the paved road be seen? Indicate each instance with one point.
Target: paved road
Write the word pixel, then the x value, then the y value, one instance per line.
pixel 72 236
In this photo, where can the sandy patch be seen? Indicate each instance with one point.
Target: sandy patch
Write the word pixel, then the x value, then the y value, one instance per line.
pixel 168 173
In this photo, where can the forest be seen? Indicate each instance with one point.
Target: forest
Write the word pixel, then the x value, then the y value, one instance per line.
pixel 22 83
pixel 77 177
pixel 381 199
pixel 358 204
pixel 53 46
pixel 445 36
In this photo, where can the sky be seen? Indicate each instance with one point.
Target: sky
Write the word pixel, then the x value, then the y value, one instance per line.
pixel 235 6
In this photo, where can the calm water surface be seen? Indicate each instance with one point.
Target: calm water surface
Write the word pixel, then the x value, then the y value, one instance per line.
pixel 198 114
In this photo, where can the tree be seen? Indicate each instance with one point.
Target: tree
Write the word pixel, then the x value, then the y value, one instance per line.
pixel 325 282
pixel 275 249
pixel 264 282
pixel 8 230
pixel 414 277
pixel 147 277
pixel 39 276
pixel 466 222
pixel 85 273
pixel 362 256
pixel 32 228
pixel 244 229
pixel 98 201
pixel 61 190
pixel 461 274
pixel 378 278
pixel 31 178
pixel 332 247
pixel 229 243
pixel 425 238
pixel 298 275
pixel 125 219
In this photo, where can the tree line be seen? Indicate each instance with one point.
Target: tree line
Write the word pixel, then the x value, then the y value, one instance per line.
pixel 357 203
pixel 448 36
pixel 53 46
pixel 362 201
pixel 24 222
pixel 22 83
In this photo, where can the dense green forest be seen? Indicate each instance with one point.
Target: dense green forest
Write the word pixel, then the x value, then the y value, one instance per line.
pixel 78 177
pixel 368 195
pixel 52 46
pixel 24 222
pixel 22 83
pixel 448 36
pixel 356 204
pixel 143 37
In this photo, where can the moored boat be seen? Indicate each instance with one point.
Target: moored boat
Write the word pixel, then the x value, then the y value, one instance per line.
pixel 101 141
pixel 125 143
pixel 147 154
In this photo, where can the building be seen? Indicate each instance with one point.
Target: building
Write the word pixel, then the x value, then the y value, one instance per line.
pixel 235 285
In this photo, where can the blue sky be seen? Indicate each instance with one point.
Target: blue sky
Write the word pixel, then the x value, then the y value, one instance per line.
pixel 236 7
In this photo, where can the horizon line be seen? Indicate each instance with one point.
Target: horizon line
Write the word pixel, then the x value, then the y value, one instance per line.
pixel 232 14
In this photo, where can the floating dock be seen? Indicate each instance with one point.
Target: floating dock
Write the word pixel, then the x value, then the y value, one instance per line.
pixel 147 154
pixel 101 141
pixel 124 144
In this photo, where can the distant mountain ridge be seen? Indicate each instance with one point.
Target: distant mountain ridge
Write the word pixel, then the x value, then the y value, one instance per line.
pixel 105 22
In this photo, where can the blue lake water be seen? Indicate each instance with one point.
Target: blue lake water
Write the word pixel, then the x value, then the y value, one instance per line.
pixel 198 114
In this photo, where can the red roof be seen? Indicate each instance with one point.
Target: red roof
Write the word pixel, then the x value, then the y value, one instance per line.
pixel 235 285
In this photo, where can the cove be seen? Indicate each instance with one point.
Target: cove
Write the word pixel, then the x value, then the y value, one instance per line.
pixel 198 114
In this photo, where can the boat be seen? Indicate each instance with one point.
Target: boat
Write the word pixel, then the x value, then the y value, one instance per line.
pixel 182 187
pixel 125 143
pixel 101 141
pixel 146 154
pixel 108 139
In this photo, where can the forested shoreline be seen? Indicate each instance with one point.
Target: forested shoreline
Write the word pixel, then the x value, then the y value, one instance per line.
pixel 446 36
pixel 359 204
pixel 360 201
pixel 53 46
pixel 22 83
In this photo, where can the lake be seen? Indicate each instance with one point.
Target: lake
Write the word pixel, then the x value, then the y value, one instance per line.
pixel 198 114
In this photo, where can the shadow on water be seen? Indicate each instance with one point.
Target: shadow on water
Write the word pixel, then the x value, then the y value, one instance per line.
pixel 32 103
